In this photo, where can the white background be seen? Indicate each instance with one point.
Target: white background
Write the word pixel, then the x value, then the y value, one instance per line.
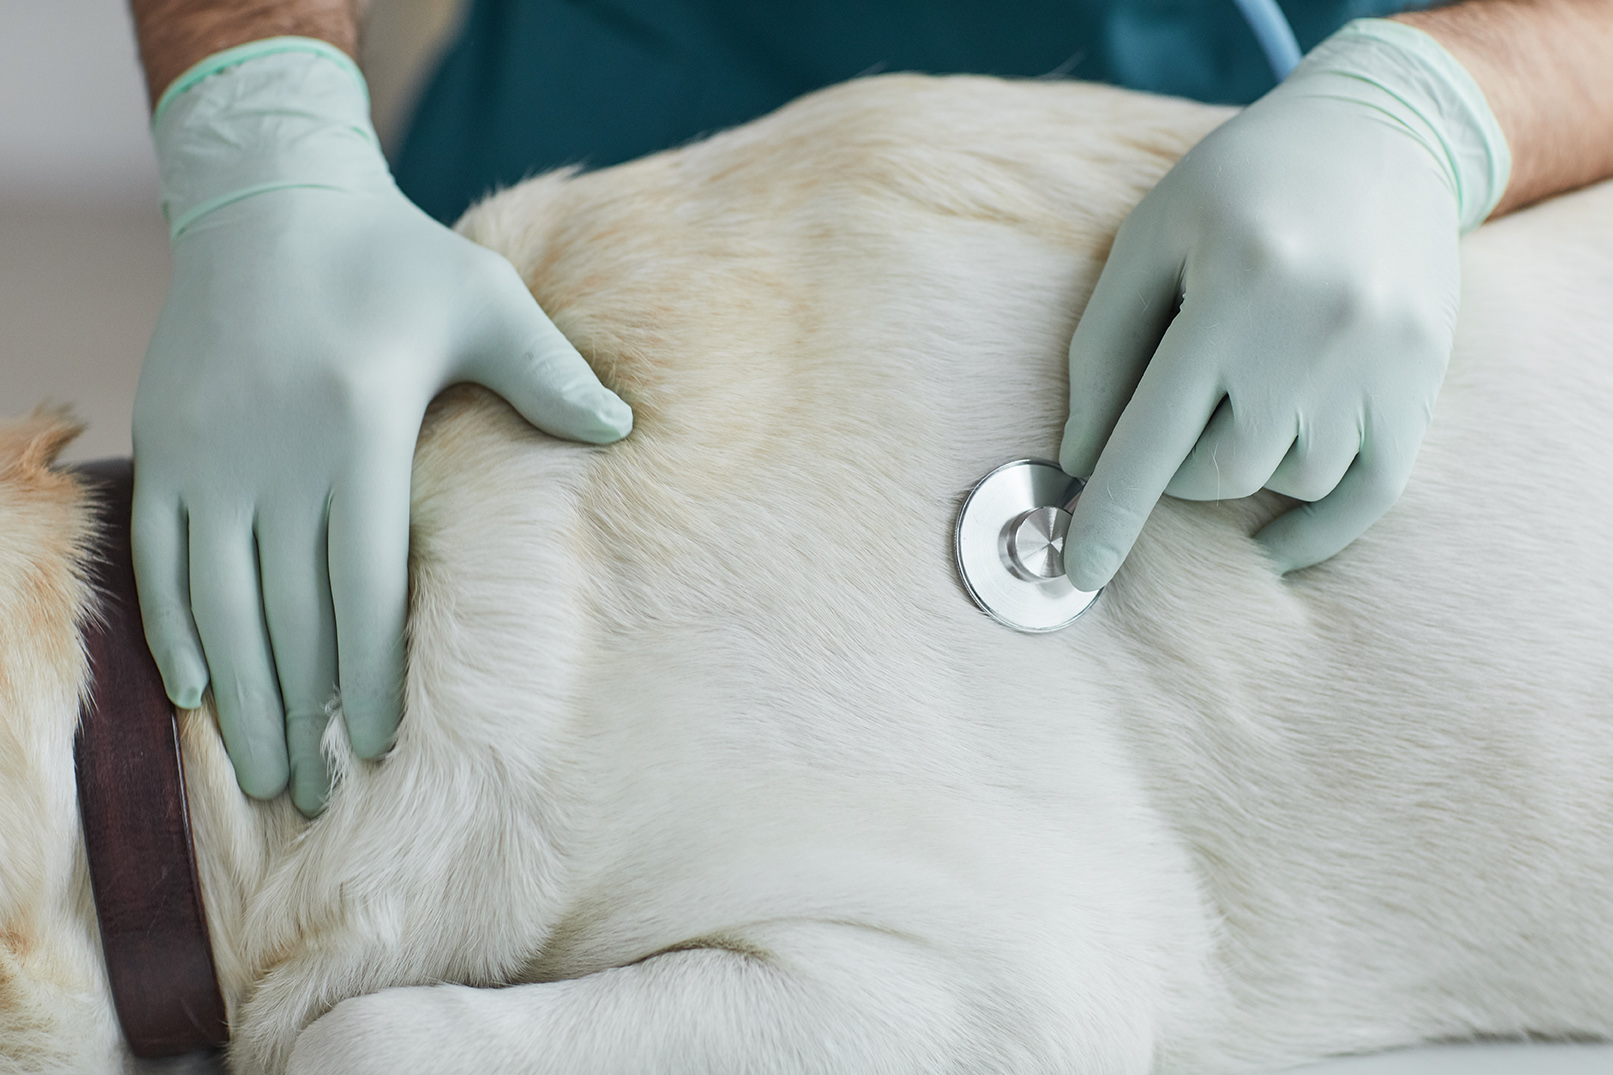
pixel 72 105
pixel 83 252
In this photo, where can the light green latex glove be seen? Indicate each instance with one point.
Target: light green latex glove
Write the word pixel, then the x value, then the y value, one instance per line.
pixel 1278 311
pixel 314 312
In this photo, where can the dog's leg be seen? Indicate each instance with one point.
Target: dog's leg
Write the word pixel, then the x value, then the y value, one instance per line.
pixel 792 997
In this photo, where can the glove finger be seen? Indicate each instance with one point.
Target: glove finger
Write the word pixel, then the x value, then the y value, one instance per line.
pixel 160 540
pixel 519 354
pixel 1316 464
pixel 1165 418
pixel 226 599
pixel 369 584
pixel 1311 533
pixel 1113 342
pixel 302 629
pixel 1233 458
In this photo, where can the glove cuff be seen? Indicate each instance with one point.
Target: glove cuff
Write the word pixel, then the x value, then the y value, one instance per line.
pixel 268 115
pixel 1409 77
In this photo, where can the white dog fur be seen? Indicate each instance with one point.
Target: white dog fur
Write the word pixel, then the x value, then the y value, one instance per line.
pixel 709 760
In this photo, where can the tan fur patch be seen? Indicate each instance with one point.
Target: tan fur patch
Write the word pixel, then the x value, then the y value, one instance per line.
pixel 46 529
pixel 29 446
pixel 15 941
pixel 44 544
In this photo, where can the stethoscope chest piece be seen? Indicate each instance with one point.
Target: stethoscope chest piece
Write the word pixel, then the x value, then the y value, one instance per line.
pixel 1009 546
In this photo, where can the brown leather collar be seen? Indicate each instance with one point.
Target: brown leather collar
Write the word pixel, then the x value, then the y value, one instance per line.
pixel 131 795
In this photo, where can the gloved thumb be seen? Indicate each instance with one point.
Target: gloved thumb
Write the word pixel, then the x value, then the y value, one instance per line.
pixel 519 354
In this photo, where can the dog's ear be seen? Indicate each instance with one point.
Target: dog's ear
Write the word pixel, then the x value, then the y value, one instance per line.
pixel 29 445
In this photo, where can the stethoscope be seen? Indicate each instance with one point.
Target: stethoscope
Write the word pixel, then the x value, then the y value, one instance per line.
pixel 1008 544
pixel 1008 541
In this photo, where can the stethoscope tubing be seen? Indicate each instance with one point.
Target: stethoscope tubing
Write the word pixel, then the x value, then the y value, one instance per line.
pixel 1272 31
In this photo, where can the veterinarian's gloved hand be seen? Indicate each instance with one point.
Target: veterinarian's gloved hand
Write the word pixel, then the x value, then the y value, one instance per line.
pixel 314 313
pixel 1278 311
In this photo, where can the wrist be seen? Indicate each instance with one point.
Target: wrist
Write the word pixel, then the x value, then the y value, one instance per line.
pixel 1411 81
pixel 270 115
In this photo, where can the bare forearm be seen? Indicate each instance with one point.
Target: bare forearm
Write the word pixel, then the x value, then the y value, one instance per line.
pixel 1546 67
pixel 174 34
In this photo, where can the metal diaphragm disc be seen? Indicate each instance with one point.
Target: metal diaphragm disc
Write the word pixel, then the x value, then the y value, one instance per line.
pixel 1009 545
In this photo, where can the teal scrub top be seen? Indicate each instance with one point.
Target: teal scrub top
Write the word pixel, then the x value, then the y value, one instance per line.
pixel 530 85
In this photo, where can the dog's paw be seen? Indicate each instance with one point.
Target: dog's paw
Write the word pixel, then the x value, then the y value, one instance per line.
pixel 393 1032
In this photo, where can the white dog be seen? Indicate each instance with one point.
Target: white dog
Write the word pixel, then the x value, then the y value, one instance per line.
pixel 710 762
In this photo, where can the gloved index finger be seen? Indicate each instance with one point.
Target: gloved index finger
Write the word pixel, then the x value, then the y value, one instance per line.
pixel 1155 432
pixel 1114 340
